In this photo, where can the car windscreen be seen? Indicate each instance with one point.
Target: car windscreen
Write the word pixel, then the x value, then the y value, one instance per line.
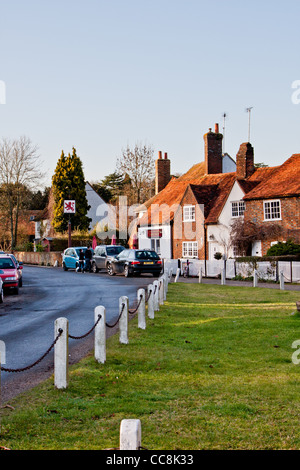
pixel 146 254
pixel 114 250
pixel 7 264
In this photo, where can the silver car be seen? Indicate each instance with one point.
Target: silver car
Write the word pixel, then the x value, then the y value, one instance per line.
pixel 103 254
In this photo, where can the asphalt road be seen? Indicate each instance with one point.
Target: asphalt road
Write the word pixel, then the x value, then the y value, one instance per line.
pixel 27 320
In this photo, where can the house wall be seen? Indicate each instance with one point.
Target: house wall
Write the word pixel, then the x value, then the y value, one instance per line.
pixel 218 235
pixel 165 240
pixel 189 231
pixel 290 219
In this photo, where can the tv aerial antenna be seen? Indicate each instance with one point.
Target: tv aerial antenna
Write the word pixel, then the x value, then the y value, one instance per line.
pixel 248 110
pixel 224 116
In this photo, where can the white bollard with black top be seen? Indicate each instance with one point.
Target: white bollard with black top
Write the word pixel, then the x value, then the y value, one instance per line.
pixel 156 295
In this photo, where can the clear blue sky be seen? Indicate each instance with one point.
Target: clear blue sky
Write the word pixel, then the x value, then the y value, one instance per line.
pixel 101 74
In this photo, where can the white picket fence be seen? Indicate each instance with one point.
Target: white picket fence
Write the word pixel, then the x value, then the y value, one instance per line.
pixel 266 270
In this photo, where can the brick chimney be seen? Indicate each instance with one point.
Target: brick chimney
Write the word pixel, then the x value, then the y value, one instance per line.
pixel 162 172
pixel 213 151
pixel 245 161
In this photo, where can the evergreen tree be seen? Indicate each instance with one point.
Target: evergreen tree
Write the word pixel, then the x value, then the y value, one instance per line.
pixel 69 183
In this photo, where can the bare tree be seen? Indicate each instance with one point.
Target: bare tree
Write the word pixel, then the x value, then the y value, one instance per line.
pixel 138 166
pixel 19 169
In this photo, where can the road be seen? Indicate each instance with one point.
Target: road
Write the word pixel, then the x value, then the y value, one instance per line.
pixel 27 320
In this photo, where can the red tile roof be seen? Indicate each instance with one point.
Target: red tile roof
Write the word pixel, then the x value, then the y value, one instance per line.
pixel 279 181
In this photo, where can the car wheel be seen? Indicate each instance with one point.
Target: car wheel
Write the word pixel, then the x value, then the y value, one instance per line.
pixel 1 296
pixel 126 271
pixel 110 270
pixel 20 282
pixel 65 267
pixel 94 268
pixel 16 290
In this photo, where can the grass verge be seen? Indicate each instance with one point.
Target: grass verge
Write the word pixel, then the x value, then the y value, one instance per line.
pixel 213 370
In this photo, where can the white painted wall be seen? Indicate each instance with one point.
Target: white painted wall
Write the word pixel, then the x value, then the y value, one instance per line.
pixel 218 235
pixel 165 240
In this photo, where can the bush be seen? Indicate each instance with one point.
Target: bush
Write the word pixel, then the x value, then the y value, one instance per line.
pixel 284 248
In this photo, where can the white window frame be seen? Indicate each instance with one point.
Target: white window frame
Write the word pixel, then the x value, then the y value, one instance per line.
pixel 239 206
pixel 271 208
pixel 190 250
pixel 189 213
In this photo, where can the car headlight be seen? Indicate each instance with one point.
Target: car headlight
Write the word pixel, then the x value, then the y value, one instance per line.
pixel 11 278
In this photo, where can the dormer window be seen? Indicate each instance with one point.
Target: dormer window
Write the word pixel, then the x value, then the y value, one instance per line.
pixel 237 208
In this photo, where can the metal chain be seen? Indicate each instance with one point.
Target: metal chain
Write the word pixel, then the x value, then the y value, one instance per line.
pixel 137 307
pixel 60 332
pixel 111 326
pixel 86 334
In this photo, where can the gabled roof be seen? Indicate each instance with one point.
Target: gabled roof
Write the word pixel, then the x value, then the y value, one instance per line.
pixel 211 190
pixel 279 181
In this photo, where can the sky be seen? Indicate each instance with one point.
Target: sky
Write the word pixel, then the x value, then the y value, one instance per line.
pixel 101 75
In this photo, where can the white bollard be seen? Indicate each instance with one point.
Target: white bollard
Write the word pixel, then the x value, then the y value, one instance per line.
pixel 177 274
pixel 141 309
pixel 151 301
pixel 100 335
pixel 255 278
pixel 3 352
pixel 223 277
pixel 165 286
pixel 161 290
pixel 130 434
pixel 200 276
pixel 170 274
pixel 156 295
pixel 281 281
pixel 123 322
pixel 61 354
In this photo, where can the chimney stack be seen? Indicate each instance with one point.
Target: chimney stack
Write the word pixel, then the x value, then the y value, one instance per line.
pixel 162 172
pixel 245 161
pixel 213 151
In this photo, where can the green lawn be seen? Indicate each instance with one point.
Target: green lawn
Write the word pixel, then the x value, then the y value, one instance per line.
pixel 213 370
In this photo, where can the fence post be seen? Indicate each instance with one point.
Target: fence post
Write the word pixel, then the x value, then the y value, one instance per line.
pixel 141 309
pixel 281 281
pixel 130 434
pixel 177 274
pixel 151 301
pixel 123 322
pixel 161 290
pixel 255 278
pixel 61 353
pixel 100 335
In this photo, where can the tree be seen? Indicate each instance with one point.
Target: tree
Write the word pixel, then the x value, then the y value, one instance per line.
pixel 68 183
pixel 110 187
pixel 138 165
pixel 19 171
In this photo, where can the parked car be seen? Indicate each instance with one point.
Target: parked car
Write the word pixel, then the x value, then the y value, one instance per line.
pixel 19 267
pixel 71 257
pixel 134 261
pixel 103 255
pixel 9 273
pixel 1 291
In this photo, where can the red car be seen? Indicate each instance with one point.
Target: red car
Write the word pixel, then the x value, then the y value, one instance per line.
pixel 9 273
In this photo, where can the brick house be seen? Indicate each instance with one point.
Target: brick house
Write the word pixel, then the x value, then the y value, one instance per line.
pixel 191 216
pixel 273 206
